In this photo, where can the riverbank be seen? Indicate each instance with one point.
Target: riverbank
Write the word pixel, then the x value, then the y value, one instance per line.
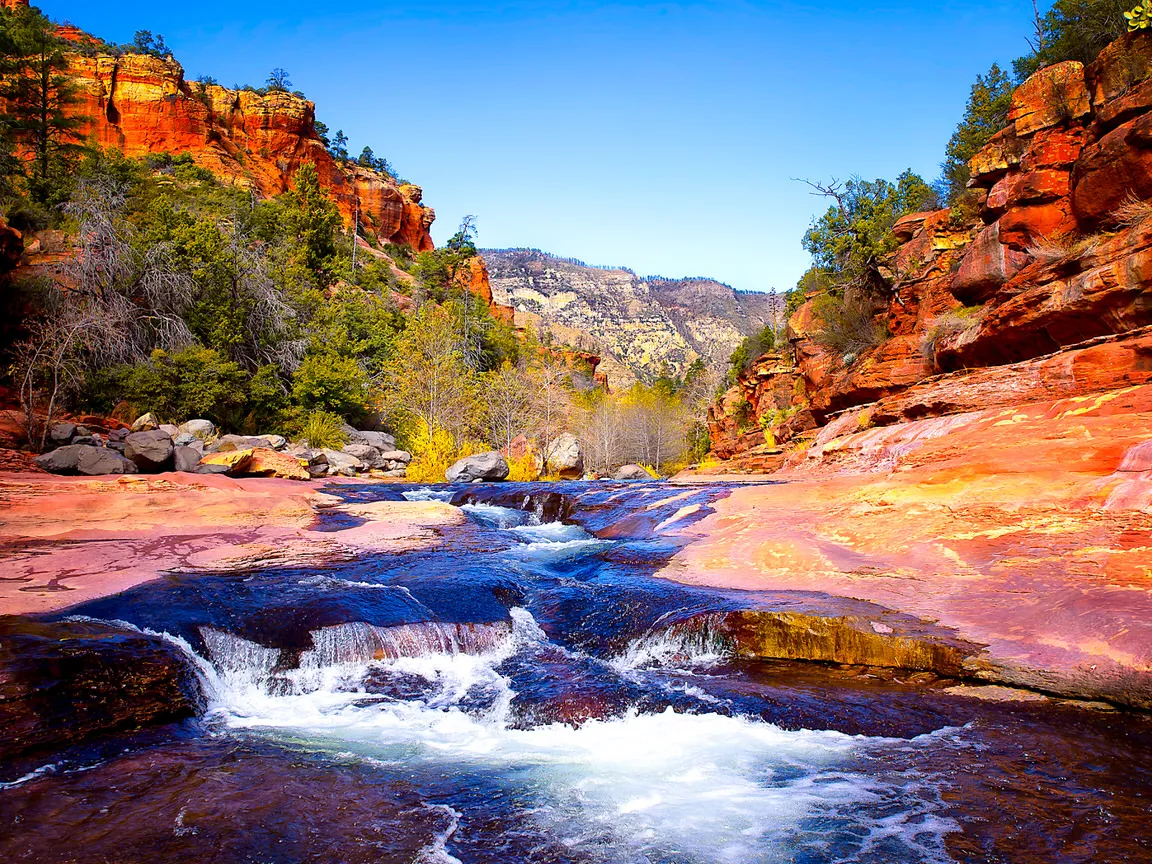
pixel 67 540
pixel 1027 531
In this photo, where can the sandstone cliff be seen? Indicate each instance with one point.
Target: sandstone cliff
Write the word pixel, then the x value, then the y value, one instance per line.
pixel 638 325
pixel 1057 264
pixel 142 105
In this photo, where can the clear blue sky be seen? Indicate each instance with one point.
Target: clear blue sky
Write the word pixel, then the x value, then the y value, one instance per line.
pixel 661 136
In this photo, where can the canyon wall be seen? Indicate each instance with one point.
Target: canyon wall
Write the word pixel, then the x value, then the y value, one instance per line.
pixel 640 326
pixel 1055 263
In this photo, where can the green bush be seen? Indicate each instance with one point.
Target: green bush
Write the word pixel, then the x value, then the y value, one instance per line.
pixel 321 429
pixel 848 327
pixel 329 382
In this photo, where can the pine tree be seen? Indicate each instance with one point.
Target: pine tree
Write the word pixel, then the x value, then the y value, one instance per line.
pixel 38 94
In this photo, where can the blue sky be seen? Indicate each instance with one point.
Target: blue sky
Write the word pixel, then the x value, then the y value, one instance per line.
pixel 661 136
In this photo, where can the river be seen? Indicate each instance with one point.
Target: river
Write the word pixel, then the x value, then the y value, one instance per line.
pixel 528 692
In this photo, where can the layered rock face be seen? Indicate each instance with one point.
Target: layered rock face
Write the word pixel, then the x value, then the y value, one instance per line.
pixel 1060 256
pixel 637 325
pixel 142 105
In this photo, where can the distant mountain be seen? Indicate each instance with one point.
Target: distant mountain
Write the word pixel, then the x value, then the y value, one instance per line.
pixel 637 324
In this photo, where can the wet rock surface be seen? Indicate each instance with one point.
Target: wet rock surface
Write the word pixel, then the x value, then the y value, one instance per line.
pixel 67 683
pixel 510 694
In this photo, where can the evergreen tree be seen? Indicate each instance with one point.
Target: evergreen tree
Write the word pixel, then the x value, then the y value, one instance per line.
pixel 986 114
pixel 37 94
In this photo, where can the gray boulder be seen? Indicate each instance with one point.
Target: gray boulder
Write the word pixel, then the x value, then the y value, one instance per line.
pixel 367 454
pixel 380 440
pixel 171 429
pixel 186 458
pixel 481 467
pixel 273 442
pixel 186 439
pixel 98 461
pixel 228 443
pixel 62 460
pixel 146 423
pixel 85 459
pixel 209 468
pixel 402 456
pixel 631 472
pixel 151 451
pixel 564 457
pixel 87 440
pixel 342 463
pixel 61 433
pixel 198 428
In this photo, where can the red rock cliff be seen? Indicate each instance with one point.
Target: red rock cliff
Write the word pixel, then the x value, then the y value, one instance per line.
pixel 143 105
pixel 1057 260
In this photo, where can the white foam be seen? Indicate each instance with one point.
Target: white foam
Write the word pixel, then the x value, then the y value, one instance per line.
pixel 692 645
pixel 444 495
pixel 643 787
pixel 498 517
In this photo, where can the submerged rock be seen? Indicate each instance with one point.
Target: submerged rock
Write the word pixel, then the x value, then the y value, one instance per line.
pixel 67 683
pixel 474 469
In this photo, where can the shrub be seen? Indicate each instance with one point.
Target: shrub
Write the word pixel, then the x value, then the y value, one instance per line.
pixel 951 323
pixel 327 382
pixel 848 327
pixel 192 382
pixel 322 429
pixel 526 469
pixel 433 451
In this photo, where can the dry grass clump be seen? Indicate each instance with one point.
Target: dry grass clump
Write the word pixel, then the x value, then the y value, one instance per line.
pixel 949 325
pixel 1062 250
pixel 1133 212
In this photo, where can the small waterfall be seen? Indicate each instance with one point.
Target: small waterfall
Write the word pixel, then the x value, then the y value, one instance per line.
pixel 699 641
pixel 363 643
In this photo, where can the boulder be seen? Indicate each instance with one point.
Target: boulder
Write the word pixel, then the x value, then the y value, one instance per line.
pixel 99 461
pixel 380 440
pixel 212 468
pixel 402 456
pixel 631 472
pixel 367 454
pixel 258 461
pixel 151 451
pixel 481 467
pixel 61 433
pixel 87 440
pixel 186 458
pixel 146 423
pixel 274 442
pixel 232 443
pixel 563 457
pixel 342 463
pixel 62 460
pixel 171 429
pixel 187 439
pixel 198 428
pixel 265 462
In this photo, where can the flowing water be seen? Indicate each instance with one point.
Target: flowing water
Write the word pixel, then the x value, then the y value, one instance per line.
pixel 527 692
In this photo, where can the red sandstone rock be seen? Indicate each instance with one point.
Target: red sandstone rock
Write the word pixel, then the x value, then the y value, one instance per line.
pixel 143 105
pixel 1056 94
pixel 1111 169
pixel 987 265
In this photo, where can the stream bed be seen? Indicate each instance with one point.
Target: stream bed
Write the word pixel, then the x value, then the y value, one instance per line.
pixel 526 691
